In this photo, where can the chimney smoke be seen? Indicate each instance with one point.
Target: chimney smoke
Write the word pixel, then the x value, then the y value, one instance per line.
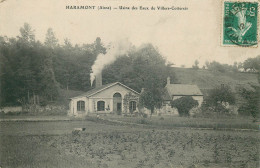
pixel 115 50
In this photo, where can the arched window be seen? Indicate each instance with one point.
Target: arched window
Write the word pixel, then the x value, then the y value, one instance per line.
pixel 117 95
pixel 80 106
pixel 132 106
pixel 100 106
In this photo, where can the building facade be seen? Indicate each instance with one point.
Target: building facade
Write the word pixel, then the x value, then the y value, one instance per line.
pixel 114 97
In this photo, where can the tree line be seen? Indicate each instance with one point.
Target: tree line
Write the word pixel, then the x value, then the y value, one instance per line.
pixel 33 72
pixel 251 65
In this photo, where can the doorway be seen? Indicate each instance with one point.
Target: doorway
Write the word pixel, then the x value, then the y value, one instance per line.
pixel 117 103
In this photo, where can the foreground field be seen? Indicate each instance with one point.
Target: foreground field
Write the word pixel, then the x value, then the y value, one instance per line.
pixel 52 144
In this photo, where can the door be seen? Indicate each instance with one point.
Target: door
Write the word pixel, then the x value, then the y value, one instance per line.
pixel 119 107
pixel 117 103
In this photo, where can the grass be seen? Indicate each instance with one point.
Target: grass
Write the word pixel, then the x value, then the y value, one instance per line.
pixel 175 121
pixel 105 145
pixel 206 79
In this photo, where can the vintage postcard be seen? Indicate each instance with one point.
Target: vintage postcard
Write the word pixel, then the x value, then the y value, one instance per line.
pixel 129 83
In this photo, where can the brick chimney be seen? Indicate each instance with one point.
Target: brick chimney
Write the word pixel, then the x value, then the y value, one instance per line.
pixel 98 79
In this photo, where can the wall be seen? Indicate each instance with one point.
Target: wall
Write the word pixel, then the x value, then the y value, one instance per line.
pixel 73 106
pixel 107 96
pixel 93 104
pixel 11 109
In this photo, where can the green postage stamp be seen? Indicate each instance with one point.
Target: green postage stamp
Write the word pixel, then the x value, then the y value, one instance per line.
pixel 240 23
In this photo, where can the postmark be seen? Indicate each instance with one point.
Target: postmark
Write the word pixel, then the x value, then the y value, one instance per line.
pixel 240 23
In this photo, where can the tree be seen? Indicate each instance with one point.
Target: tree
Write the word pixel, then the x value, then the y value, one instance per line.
pixel 150 69
pixel 27 34
pixel 216 66
pixel 67 43
pixel 219 96
pixel 252 64
pixel 196 65
pixel 207 64
pixel 141 68
pixel 235 67
pixel 184 105
pixel 49 84
pixel 151 98
pixel 251 105
pixel 50 39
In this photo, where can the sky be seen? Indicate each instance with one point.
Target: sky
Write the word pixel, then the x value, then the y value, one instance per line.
pixel 180 36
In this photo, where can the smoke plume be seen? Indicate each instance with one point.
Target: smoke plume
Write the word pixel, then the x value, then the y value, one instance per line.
pixel 114 50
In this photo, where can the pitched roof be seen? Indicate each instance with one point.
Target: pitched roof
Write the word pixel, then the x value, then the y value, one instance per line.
pixel 101 88
pixel 183 90
pixel 166 96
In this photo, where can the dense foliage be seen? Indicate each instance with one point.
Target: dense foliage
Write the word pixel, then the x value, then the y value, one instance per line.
pixel 142 68
pixel 32 72
pixel 251 106
pixel 184 105
pixel 218 98
pixel 35 72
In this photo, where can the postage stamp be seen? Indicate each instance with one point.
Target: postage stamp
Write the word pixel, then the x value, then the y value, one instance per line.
pixel 240 23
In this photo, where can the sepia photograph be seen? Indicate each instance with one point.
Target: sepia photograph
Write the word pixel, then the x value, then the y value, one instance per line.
pixel 129 84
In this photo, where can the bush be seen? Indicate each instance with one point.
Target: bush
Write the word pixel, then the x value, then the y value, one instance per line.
pixel 184 105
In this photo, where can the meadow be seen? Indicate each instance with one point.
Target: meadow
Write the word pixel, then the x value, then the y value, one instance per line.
pixel 107 144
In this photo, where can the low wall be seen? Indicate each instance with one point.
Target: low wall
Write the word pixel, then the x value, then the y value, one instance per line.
pixel 11 109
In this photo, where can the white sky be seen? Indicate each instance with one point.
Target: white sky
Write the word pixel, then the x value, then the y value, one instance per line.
pixel 181 36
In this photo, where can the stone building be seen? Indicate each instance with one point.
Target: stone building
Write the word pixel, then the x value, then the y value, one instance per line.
pixel 175 91
pixel 114 97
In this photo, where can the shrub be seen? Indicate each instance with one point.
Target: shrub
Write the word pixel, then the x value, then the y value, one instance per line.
pixel 184 105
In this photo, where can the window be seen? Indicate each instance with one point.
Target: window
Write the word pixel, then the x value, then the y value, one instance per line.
pixel 117 95
pixel 80 106
pixel 100 106
pixel 132 106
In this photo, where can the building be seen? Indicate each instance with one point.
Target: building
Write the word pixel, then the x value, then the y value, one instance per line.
pixel 109 98
pixel 175 91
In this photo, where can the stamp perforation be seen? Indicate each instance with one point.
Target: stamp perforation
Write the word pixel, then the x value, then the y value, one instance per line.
pixel 222 23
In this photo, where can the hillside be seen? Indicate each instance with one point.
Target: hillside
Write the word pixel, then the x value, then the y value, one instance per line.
pixel 206 79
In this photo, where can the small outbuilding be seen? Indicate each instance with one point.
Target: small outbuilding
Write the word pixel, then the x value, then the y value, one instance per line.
pixel 176 91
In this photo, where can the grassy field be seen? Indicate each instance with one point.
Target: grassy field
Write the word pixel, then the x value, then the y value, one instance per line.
pixel 206 79
pixel 116 145
pixel 236 122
